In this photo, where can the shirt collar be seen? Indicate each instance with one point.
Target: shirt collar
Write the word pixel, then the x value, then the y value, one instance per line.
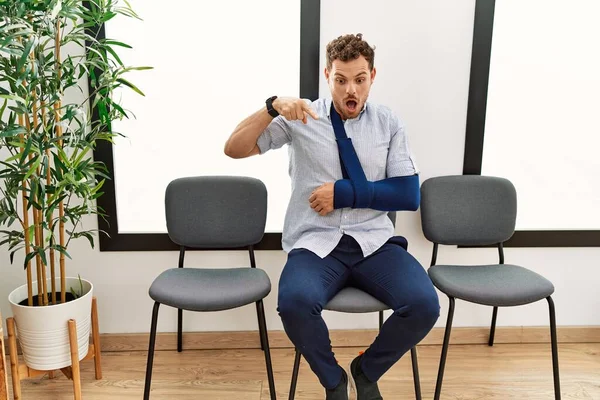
pixel 328 108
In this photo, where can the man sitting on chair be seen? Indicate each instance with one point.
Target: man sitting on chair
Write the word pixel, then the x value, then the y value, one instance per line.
pixel 336 230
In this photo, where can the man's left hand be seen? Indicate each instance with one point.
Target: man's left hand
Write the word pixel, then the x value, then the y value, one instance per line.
pixel 321 199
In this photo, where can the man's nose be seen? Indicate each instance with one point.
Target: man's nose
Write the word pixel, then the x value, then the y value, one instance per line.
pixel 351 89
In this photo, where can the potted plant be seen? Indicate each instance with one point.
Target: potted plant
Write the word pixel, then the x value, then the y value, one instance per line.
pixel 48 179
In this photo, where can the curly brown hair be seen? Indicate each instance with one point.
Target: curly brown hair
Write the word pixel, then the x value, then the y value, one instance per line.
pixel 350 47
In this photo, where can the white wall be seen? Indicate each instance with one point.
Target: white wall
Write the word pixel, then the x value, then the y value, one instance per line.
pixel 423 55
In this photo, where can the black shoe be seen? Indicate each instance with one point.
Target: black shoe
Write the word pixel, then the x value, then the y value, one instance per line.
pixel 364 388
pixel 340 392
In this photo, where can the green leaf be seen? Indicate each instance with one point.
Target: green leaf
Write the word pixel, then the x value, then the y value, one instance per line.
pixel 35 165
pixel 12 256
pixel 86 235
pixel 130 85
pixel 26 151
pixel 42 254
pixel 108 16
pixel 98 186
pixel 12 131
pixel 118 108
pixel 30 233
pixel 59 166
pixel 13 158
pixel 28 258
pixel 96 195
pixel 61 250
pixel 56 9
pixel 12 97
pixel 114 54
pixel 117 43
pixel 32 194
pixel 25 55
pixel 3 108
pixel 136 69
pixel 63 157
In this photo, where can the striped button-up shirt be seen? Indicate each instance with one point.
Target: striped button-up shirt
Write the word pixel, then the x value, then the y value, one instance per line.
pixel 382 148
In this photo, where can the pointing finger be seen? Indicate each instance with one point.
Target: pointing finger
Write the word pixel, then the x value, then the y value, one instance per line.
pixel 310 111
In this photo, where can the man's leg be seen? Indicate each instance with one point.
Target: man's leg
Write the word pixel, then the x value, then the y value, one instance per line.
pixel 397 279
pixel 307 283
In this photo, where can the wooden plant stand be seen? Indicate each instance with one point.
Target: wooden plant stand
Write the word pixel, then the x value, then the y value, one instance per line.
pixel 20 372
pixel 3 373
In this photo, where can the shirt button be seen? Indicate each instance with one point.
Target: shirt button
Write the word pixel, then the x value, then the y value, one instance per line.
pixel 345 217
pixel 342 231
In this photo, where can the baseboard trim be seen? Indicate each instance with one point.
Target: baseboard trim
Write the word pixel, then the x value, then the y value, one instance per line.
pixel 346 338
pixel 118 342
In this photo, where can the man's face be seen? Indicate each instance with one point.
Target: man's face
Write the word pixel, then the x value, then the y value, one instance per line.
pixel 350 83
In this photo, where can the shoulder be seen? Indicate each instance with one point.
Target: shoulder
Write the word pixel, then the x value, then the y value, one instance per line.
pixel 386 116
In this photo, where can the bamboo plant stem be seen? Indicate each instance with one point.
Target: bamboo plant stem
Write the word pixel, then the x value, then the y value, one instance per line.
pixel 35 231
pixel 21 119
pixel 61 207
pixel 26 226
pixel 43 266
pixel 48 197
pixel 37 214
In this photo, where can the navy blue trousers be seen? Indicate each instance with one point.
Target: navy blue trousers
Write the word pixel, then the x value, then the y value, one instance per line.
pixel 390 274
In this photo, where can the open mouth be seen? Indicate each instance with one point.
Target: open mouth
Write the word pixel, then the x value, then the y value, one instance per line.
pixel 351 105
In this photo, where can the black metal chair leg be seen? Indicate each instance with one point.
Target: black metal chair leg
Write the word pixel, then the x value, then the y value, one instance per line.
pixel 380 319
pixel 262 344
pixel 440 377
pixel 295 375
pixel 554 341
pixel 151 351
pixel 493 327
pixel 415 368
pixel 179 330
pixel 265 339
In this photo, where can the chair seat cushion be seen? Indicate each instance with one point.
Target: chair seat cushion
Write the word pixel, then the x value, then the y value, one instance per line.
pixel 499 285
pixel 204 289
pixel 353 300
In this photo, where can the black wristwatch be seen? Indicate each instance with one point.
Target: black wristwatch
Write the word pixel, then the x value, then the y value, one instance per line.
pixel 272 112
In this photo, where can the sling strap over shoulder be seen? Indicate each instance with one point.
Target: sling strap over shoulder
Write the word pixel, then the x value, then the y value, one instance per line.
pixel 351 168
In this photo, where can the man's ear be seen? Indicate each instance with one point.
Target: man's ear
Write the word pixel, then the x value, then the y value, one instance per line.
pixel 373 73
pixel 326 72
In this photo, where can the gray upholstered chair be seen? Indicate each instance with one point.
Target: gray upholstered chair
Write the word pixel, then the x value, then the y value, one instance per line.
pixel 218 212
pixel 473 210
pixel 353 300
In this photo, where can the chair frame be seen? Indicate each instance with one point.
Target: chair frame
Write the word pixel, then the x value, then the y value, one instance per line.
pixel 413 356
pixel 262 328
pixel 553 337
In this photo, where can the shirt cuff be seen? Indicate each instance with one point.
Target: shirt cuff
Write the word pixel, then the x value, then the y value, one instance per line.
pixel 264 142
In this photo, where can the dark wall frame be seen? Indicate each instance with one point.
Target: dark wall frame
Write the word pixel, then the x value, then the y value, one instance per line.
pixel 310 20
pixel 475 132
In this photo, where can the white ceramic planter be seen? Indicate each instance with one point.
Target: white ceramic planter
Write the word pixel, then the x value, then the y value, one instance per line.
pixel 43 331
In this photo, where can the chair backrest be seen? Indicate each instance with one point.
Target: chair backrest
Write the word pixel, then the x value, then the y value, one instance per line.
pixel 216 211
pixel 392 216
pixel 468 209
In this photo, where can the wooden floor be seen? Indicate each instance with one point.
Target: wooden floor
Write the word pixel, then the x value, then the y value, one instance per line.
pixel 473 372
